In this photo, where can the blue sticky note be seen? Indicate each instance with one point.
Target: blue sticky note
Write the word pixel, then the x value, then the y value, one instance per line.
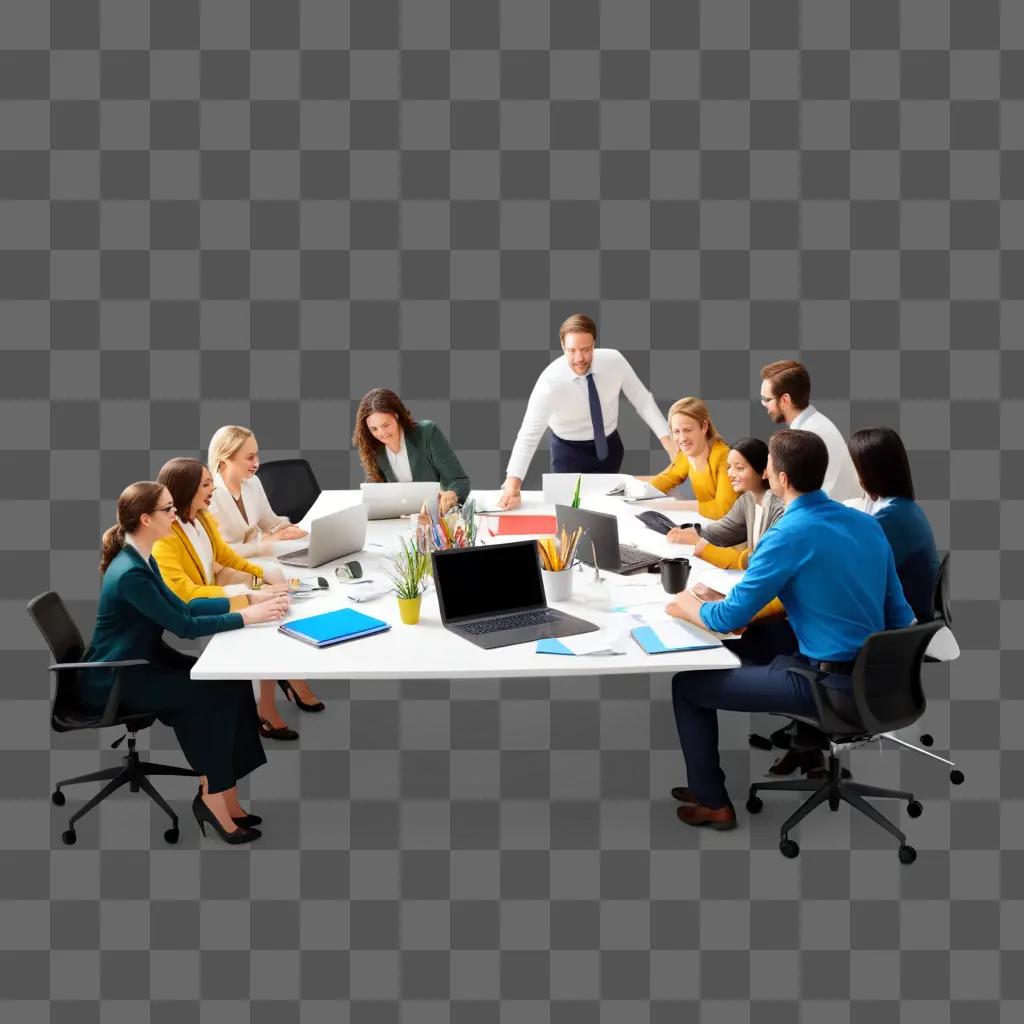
pixel 552 646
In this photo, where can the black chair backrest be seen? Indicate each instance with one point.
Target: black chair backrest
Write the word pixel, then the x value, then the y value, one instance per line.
pixel 291 487
pixel 886 678
pixel 62 636
pixel 940 595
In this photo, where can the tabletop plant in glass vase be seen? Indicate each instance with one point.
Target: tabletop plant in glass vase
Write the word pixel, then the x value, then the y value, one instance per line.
pixel 408 573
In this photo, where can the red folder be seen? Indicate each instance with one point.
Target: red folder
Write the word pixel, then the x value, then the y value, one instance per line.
pixel 529 525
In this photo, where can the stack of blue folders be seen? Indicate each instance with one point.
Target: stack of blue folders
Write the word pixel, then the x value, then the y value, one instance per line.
pixel 334 627
pixel 682 636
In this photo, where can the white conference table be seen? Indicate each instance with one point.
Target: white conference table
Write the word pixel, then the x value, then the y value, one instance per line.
pixel 427 650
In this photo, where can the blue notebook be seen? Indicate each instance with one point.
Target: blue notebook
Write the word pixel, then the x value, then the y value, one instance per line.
pixel 334 627
pixel 651 643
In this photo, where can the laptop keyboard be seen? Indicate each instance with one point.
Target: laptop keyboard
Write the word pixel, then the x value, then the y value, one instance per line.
pixel 632 556
pixel 516 621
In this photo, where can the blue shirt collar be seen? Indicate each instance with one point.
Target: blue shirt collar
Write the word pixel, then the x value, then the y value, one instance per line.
pixel 808 499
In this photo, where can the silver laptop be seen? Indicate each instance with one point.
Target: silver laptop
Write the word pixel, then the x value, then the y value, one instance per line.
pixel 391 501
pixel 330 537
pixel 603 532
pixel 560 487
pixel 493 596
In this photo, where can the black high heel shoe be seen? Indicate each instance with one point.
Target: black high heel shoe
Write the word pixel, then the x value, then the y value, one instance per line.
pixel 204 817
pixel 242 821
pixel 289 692
pixel 274 732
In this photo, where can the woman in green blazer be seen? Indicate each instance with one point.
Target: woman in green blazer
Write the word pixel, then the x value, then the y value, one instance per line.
pixel 393 447
pixel 215 722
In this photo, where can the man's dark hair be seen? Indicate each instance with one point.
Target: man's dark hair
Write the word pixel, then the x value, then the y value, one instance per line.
pixel 881 463
pixel 802 456
pixel 788 377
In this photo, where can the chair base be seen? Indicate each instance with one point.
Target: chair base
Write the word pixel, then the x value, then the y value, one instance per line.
pixel 135 774
pixel 835 790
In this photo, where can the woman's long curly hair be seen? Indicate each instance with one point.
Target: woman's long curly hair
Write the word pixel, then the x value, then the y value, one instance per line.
pixel 377 400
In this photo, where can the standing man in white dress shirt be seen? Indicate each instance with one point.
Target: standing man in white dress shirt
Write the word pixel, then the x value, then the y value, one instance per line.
pixel 578 398
pixel 786 397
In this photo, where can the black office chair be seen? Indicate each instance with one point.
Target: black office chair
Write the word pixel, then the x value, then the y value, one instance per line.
pixel 783 738
pixel 942 610
pixel 291 487
pixel 51 615
pixel 885 694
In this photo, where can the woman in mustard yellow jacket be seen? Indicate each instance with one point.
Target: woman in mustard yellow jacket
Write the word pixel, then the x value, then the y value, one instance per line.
pixel 701 459
pixel 192 554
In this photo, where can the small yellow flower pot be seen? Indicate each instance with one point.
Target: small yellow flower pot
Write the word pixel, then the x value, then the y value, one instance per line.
pixel 409 609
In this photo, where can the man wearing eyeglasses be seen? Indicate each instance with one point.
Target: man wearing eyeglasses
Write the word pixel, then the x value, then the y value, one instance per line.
pixel 786 397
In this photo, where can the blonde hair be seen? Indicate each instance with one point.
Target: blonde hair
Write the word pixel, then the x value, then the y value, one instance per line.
pixel 224 444
pixel 696 410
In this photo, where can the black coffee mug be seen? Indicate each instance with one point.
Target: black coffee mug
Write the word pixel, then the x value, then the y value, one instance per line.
pixel 674 574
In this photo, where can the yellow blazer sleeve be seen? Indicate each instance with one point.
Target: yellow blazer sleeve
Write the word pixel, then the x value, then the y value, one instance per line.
pixel 182 576
pixel 725 558
pixel 224 554
pixel 772 608
pixel 677 472
pixel 723 497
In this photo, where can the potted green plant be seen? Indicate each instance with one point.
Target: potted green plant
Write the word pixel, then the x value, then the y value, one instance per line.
pixel 408 571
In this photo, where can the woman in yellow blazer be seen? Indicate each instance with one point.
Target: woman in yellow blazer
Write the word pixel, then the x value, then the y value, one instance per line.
pixel 191 555
pixel 701 459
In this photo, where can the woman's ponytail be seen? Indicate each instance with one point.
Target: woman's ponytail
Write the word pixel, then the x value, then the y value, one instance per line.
pixel 113 541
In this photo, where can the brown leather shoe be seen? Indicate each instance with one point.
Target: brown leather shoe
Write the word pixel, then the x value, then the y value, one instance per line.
pixel 684 795
pixel 722 819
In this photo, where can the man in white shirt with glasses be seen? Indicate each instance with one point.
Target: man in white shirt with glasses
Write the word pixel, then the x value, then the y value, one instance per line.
pixel 786 397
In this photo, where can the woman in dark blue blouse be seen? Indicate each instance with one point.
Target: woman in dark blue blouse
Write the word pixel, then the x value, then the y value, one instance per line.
pixel 884 470
pixel 215 722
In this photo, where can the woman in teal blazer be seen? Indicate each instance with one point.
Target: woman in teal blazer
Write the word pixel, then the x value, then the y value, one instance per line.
pixel 215 722
pixel 393 447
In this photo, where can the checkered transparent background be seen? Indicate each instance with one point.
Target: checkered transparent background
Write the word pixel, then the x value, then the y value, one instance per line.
pixel 253 212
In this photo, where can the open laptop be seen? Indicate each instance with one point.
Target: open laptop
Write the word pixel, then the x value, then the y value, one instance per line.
pixel 392 501
pixel 603 531
pixel 558 488
pixel 330 537
pixel 493 596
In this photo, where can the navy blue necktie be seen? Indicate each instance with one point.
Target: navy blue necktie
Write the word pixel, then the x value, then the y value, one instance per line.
pixel 597 419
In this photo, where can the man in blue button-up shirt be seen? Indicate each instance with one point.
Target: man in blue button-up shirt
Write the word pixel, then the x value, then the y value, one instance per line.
pixel 833 570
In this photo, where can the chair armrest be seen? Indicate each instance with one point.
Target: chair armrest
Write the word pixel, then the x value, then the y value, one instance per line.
pixel 98 664
pixel 109 715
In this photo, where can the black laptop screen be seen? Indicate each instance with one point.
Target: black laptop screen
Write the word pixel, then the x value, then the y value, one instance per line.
pixel 488 580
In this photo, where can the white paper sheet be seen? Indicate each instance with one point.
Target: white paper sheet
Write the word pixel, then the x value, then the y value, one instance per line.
pixel 722 580
pixel 668 628
pixel 612 638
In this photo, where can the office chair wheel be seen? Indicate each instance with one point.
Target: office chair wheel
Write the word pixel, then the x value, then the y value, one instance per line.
pixel 760 742
pixel 927 739
pixel 788 848
pixel 69 838
pixel 956 776
pixel 907 855
pixel 754 804
pixel 914 808
pixel 833 803
pixel 171 835
pixel 58 799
